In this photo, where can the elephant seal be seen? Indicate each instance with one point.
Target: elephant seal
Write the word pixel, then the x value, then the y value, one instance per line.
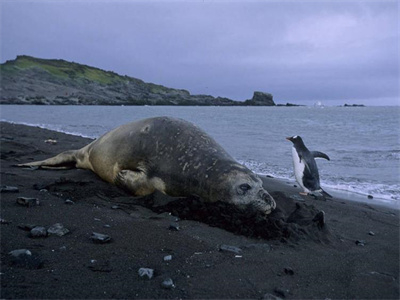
pixel 169 155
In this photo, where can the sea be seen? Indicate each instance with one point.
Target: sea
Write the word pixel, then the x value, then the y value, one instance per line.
pixel 363 143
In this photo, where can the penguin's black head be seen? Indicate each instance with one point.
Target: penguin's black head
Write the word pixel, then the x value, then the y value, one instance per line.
pixel 296 140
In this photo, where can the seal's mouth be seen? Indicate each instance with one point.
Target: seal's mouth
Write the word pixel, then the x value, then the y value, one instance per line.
pixel 265 206
pixel 268 211
pixel 267 201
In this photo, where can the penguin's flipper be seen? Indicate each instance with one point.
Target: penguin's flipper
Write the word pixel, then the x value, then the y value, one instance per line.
pixel 318 154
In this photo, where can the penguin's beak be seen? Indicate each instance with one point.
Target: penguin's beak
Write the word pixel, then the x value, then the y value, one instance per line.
pixel 289 138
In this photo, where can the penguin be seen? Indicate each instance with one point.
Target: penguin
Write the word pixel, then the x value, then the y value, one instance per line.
pixel 305 167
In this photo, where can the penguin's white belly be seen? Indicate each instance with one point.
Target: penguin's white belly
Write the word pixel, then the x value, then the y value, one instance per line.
pixel 298 169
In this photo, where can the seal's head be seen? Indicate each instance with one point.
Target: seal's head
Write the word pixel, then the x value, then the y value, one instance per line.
pixel 244 189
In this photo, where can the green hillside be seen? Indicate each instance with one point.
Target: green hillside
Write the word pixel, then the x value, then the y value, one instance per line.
pixel 30 80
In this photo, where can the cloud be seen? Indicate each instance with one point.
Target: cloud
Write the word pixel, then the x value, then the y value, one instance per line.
pixel 299 51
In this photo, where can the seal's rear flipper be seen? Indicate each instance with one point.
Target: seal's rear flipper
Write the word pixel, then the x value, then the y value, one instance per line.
pixel 62 161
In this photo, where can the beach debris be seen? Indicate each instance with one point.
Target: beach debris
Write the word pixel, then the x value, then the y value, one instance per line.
pixel 168 284
pixel 51 141
pixel 371 233
pixel 174 226
pixel 288 271
pixel 69 202
pixel 9 189
pixel 57 229
pixel 227 248
pixel 4 221
pixel 38 232
pixel 360 243
pixel 100 238
pixel 24 258
pixel 168 258
pixel 25 201
pixel 146 273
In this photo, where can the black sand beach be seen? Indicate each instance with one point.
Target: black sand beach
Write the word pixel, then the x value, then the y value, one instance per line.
pixel 215 251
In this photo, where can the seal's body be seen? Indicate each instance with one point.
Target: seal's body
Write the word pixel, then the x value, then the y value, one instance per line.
pixel 305 167
pixel 170 155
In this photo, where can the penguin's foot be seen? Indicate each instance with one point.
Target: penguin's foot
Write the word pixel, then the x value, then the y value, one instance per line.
pixel 303 193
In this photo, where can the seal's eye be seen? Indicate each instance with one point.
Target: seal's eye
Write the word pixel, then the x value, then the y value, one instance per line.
pixel 243 188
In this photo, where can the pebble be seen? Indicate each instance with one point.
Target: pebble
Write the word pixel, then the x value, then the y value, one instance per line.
pixel 146 273
pixel 270 297
pixel 168 258
pixel 57 229
pixel 24 201
pixel 370 197
pixel 9 189
pixel 360 243
pixel 38 231
pixel 115 207
pixel 167 284
pixel 289 271
pixel 25 259
pixel 232 249
pixel 69 201
pixel 3 221
pixel 174 227
pixel 371 233
pixel 19 252
pixel 51 141
pixel 100 238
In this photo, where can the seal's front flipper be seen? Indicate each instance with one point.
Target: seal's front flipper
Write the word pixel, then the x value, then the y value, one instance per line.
pixel 138 183
pixel 318 154
pixel 62 161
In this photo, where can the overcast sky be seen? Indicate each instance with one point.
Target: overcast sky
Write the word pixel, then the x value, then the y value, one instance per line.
pixel 302 52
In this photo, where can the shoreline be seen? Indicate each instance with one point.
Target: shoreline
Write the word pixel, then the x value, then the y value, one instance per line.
pixel 340 193
pixel 353 254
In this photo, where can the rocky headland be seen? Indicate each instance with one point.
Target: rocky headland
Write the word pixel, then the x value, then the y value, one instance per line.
pixel 30 80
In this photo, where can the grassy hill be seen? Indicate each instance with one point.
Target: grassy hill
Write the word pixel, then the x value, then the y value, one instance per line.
pixel 30 80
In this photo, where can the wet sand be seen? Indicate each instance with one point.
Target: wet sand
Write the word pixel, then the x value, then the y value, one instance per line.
pixel 353 252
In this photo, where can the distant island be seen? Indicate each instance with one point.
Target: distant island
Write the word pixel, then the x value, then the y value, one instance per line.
pixel 354 105
pixel 30 80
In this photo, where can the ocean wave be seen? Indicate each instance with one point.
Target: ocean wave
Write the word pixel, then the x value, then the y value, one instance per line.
pixel 57 128
pixel 381 192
